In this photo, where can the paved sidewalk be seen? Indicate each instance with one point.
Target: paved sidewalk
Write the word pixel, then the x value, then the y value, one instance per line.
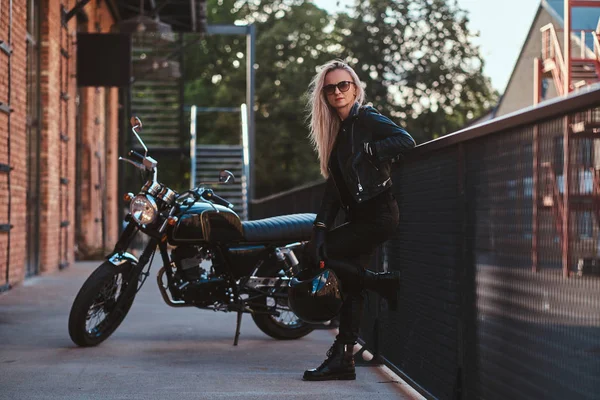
pixel 159 352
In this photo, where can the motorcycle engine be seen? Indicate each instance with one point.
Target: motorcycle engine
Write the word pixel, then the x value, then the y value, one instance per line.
pixel 197 285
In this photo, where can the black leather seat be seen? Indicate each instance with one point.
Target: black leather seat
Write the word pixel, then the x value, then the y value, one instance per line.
pixel 293 227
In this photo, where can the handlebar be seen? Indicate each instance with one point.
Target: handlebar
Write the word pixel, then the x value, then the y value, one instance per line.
pixel 206 195
pixel 145 163
pixel 209 194
pixel 136 156
pixel 135 164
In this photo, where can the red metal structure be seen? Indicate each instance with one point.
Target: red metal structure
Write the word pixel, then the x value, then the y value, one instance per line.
pixel 558 61
pixel 569 73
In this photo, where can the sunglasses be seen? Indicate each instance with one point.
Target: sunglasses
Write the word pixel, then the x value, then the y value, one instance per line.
pixel 344 86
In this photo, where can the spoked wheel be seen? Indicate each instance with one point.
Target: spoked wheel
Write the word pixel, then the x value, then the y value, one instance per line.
pixel 286 325
pixel 100 307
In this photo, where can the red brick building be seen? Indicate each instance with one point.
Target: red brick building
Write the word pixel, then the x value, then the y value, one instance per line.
pixel 58 142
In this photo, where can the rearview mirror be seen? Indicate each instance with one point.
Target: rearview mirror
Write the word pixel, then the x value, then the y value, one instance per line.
pixel 136 125
pixel 226 176
pixel 135 122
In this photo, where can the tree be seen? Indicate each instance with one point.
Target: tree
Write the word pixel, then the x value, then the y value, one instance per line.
pixel 290 46
pixel 418 63
pixel 215 75
pixel 292 40
pixel 415 57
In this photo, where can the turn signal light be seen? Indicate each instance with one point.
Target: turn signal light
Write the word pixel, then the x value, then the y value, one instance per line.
pixel 172 221
pixel 128 196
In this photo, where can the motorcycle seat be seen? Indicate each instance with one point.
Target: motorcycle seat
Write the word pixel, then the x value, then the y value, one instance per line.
pixel 292 227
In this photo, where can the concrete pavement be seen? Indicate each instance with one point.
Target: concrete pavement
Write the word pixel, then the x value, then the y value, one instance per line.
pixel 159 352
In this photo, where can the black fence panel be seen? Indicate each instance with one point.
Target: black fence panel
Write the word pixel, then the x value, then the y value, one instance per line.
pixel 305 199
pixel 421 338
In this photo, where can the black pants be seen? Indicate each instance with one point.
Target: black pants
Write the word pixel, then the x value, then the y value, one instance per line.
pixel 369 225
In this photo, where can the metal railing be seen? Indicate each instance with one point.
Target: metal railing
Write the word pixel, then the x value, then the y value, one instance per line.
pixel 554 62
pixel 476 319
pixel 596 37
pixel 552 56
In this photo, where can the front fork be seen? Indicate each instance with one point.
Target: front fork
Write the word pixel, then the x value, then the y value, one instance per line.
pixel 119 256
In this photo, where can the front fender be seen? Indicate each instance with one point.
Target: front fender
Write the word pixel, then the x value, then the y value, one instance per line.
pixel 117 259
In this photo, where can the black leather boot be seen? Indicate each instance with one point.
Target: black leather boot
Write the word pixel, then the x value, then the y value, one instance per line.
pixel 339 365
pixel 385 284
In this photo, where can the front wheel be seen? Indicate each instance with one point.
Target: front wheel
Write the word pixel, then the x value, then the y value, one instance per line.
pixel 100 305
pixel 286 325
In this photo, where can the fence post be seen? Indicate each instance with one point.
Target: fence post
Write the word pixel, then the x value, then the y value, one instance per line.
pixel 465 276
pixel 566 246
pixel 460 271
pixel 193 167
pixel 535 199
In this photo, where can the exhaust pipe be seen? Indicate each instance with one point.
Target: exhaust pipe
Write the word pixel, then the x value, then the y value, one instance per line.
pixel 163 291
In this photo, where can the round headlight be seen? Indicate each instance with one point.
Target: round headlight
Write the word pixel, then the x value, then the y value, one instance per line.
pixel 143 209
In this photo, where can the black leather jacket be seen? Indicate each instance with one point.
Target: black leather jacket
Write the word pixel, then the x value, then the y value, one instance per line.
pixel 364 176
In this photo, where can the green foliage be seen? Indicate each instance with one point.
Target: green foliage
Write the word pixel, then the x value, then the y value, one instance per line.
pixel 291 43
pixel 415 58
pixel 418 63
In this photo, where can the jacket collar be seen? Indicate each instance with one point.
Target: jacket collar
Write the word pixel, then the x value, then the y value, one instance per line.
pixel 354 110
pixel 353 113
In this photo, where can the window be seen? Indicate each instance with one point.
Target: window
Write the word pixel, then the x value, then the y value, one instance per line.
pixel 586 181
pixel 33 92
pixel 528 187
pixel 585 226
pixel 586 152
pixel 545 85
pixel 511 188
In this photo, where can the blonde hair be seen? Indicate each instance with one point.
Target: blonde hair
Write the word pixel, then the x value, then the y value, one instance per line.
pixel 324 120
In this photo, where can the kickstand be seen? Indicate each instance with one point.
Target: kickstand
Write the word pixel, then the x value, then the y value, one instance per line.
pixel 237 327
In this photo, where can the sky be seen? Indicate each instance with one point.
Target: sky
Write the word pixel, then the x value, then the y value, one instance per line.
pixel 502 26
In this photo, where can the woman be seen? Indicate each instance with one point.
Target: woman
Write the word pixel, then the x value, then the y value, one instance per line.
pixel 355 145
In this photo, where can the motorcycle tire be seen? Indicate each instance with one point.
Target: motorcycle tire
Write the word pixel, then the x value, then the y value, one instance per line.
pixel 101 293
pixel 276 326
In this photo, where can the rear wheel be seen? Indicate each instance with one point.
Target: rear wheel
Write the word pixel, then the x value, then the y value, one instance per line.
pixel 286 325
pixel 100 305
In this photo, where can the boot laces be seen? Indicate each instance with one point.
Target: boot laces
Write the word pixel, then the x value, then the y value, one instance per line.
pixel 329 354
pixel 331 350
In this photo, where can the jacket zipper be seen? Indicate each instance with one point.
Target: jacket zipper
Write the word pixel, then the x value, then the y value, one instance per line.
pixel 360 188
pixel 374 166
pixel 384 182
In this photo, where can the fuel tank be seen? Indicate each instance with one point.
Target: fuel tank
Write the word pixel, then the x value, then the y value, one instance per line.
pixel 204 223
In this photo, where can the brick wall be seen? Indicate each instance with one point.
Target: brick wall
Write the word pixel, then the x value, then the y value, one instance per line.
pixel 99 107
pixel 59 196
pixel 113 199
pixel 50 137
pixel 13 140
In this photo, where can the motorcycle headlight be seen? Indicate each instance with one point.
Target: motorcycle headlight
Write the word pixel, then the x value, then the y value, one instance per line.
pixel 143 209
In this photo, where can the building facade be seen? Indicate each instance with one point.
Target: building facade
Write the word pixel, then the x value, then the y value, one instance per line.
pixel 519 91
pixel 58 142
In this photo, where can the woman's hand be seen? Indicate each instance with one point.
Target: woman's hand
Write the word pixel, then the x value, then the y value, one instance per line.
pixel 389 140
pixel 316 246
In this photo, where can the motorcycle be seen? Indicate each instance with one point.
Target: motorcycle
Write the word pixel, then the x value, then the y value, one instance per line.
pixel 211 259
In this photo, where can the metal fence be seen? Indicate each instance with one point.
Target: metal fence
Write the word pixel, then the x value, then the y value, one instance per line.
pixel 498 299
